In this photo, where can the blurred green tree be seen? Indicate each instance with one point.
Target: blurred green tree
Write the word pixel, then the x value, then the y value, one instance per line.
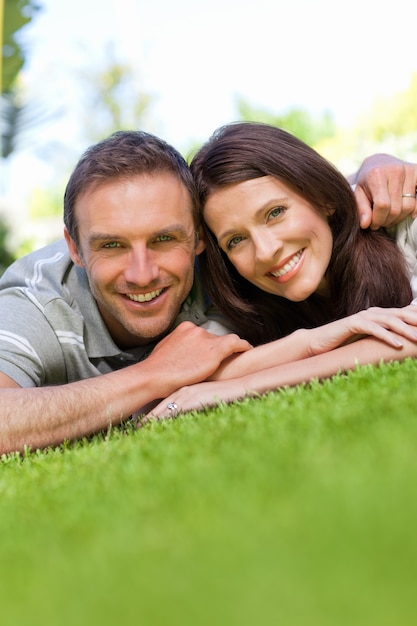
pixel 14 112
pixel 395 116
pixel 6 256
pixel 14 14
pixel 114 93
pixel 298 122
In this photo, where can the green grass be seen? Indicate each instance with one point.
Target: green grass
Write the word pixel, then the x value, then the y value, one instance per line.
pixel 298 508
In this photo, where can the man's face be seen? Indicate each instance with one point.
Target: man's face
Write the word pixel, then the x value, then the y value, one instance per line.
pixel 137 243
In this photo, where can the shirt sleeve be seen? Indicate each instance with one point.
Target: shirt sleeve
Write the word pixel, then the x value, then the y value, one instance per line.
pixel 216 323
pixel 30 352
pixel 406 235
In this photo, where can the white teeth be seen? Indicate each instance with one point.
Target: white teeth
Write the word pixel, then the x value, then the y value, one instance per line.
pixel 288 266
pixel 144 297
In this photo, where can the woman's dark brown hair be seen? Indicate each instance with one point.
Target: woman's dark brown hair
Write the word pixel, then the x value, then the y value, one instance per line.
pixel 366 267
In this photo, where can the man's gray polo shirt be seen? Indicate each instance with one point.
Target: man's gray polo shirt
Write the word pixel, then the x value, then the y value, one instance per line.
pixel 51 331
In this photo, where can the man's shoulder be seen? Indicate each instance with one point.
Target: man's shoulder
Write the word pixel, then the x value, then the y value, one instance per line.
pixel 199 309
pixel 406 235
pixel 46 265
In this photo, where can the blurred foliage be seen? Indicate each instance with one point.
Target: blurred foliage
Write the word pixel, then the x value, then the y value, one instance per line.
pixel 45 203
pixel 17 115
pixel 6 256
pixel 17 13
pixel 397 115
pixel 298 122
pixel 21 116
pixel 390 126
pixel 114 93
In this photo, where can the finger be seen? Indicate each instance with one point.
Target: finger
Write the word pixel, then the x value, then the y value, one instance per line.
pixel 385 329
pixel 409 206
pixel 167 409
pixel 374 187
pixel 385 335
pixel 383 206
pixel 144 420
pixel 364 207
pixel 405 196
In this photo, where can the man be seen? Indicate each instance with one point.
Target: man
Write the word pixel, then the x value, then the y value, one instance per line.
pixel 112 319
pixel 79 318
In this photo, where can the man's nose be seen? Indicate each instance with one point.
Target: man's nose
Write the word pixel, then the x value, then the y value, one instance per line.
pixel 142 268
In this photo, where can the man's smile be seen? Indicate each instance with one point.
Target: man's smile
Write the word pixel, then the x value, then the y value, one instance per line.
pixel 144 297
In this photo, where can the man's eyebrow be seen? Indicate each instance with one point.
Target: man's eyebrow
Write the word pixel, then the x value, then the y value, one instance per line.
pixel 173 228
pixel 98 237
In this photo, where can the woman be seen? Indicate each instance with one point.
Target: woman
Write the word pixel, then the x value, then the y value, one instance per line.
pixel 248 167
pixel 285 251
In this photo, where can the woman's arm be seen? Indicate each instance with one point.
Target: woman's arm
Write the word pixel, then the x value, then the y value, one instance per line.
pixel 362 352
pixel 383 324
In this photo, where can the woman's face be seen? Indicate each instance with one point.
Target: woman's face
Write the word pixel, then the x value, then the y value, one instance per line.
pixel 273 236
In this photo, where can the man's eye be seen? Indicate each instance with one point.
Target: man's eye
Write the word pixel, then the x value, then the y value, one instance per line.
pixel 111 244
pixel 164 238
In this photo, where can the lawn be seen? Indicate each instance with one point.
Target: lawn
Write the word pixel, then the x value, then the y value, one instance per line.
pixel 295 509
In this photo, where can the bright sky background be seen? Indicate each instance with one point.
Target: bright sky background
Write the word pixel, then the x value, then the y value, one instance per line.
pixel 196 57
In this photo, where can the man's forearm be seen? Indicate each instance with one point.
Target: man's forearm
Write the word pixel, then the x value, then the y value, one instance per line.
pixel 44 416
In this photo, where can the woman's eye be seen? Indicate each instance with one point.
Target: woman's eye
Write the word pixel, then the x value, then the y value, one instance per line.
pixel 234 241
pixel 276 211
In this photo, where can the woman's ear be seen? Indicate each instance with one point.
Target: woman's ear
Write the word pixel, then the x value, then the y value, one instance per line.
pixel 73 249
pixel 200 245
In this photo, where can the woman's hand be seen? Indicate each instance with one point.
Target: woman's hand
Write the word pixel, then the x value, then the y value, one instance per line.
pixel 196 398
pixel 388 325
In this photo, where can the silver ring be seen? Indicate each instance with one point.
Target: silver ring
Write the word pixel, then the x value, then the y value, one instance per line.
pixel 172 406
pixel 409 195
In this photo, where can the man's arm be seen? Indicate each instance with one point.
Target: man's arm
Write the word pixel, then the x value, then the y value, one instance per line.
pixel 380 184
pixel 44 416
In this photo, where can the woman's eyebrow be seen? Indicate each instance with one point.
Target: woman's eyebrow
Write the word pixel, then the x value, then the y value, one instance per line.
pixel 269 204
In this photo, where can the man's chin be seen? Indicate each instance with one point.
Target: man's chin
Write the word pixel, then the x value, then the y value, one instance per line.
pixel 150 334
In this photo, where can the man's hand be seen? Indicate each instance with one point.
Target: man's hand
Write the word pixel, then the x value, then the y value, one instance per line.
pixel 381 182
pixel 190 354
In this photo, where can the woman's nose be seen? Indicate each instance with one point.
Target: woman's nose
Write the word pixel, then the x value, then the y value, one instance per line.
pixel 266 247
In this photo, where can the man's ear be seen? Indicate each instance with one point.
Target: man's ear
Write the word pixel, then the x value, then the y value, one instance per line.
pixel 73 249
pixel 200 242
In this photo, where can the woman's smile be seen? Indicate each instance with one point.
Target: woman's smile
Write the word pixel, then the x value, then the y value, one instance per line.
pixel 288 268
